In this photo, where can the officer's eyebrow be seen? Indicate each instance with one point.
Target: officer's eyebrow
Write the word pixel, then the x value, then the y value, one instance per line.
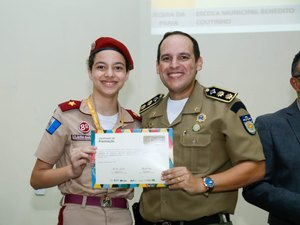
pixel 180 54
pixel 185 54
pixel 163 55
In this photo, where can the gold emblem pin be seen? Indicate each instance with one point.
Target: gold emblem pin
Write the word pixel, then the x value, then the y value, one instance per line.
pixel 220 93
pixel 196 127
pixel 71 103
pixel 229 96
pixel 201 117
pixel 142 107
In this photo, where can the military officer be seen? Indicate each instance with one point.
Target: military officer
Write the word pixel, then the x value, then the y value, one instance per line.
pixel 216 147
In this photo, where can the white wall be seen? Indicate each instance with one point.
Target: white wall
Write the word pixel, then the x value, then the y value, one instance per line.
pixel 44 46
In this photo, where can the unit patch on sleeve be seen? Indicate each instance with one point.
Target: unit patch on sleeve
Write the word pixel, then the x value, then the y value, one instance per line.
pixel 53 125
pixel 152 102
pixel 220 94
pixel 248 124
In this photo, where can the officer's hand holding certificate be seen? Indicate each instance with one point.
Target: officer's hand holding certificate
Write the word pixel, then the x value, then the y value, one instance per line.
pixel 131 157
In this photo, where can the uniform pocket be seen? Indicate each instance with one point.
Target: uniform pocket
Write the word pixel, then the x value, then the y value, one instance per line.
pixel 195 140
pixel 194 152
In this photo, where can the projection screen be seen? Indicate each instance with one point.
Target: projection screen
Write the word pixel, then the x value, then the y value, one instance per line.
pixel 225 16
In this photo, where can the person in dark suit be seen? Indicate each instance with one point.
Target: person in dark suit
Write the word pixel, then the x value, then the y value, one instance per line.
pixel 279 192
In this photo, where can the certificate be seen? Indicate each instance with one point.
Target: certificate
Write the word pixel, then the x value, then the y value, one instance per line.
pixel 128 158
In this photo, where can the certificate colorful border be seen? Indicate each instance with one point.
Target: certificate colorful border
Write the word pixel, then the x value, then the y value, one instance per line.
pixel 133 130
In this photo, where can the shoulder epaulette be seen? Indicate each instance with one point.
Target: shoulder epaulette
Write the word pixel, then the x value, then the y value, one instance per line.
pixel 220 94
pixel 134 115
pixel 72 104
pixel 152 102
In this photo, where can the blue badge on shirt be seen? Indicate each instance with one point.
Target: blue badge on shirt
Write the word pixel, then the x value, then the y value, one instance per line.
pixel 53 125
pixel 248 124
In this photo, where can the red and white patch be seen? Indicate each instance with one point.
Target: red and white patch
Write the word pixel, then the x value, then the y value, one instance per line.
pixel 84 127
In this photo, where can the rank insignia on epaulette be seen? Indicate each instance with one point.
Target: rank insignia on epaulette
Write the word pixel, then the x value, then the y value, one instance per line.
pixel 151 102
pixel 72 104
pixel 220 94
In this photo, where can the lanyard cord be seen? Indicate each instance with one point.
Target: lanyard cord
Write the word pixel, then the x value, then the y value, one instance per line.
pixel 95 115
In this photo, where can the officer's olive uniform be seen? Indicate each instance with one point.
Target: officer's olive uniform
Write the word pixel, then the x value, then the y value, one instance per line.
pixel 74 131
pixel 209 137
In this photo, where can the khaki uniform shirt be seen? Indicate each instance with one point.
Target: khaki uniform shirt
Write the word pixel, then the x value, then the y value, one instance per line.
pixel 56 148
pixel 221 142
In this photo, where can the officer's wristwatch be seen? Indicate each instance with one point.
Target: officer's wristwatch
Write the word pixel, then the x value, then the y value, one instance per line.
pixel 208 183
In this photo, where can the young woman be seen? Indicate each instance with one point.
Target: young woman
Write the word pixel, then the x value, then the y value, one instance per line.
pixel 63 155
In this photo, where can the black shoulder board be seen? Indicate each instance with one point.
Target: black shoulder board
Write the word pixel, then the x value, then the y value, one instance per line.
pixel 220 94
pixel 151 102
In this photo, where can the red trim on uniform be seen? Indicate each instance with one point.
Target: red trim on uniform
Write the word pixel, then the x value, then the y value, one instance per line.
pixel 72 104
pixel 134 115
pixel 61 216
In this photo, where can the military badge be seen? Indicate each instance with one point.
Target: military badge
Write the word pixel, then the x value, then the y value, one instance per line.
pixel 229 96
pixel 53 125
pixel 196 127
pixel 152 102
pixel 212 91
pixel 201 117
pixel 69 105
pixel 84 127
pixel 220 94
pixel 248 124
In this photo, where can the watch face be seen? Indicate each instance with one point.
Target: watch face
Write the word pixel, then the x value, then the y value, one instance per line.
pixel 209 182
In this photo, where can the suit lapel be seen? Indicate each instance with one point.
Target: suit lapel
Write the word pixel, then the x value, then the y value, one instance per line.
pixel 293 116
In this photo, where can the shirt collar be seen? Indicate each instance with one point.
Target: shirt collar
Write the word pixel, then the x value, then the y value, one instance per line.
pixel 126 116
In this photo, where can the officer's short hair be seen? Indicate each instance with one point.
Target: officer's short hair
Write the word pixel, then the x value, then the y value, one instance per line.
pixel 195 44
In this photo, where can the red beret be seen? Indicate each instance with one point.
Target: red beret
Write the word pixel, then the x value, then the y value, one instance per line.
pixel 110 43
